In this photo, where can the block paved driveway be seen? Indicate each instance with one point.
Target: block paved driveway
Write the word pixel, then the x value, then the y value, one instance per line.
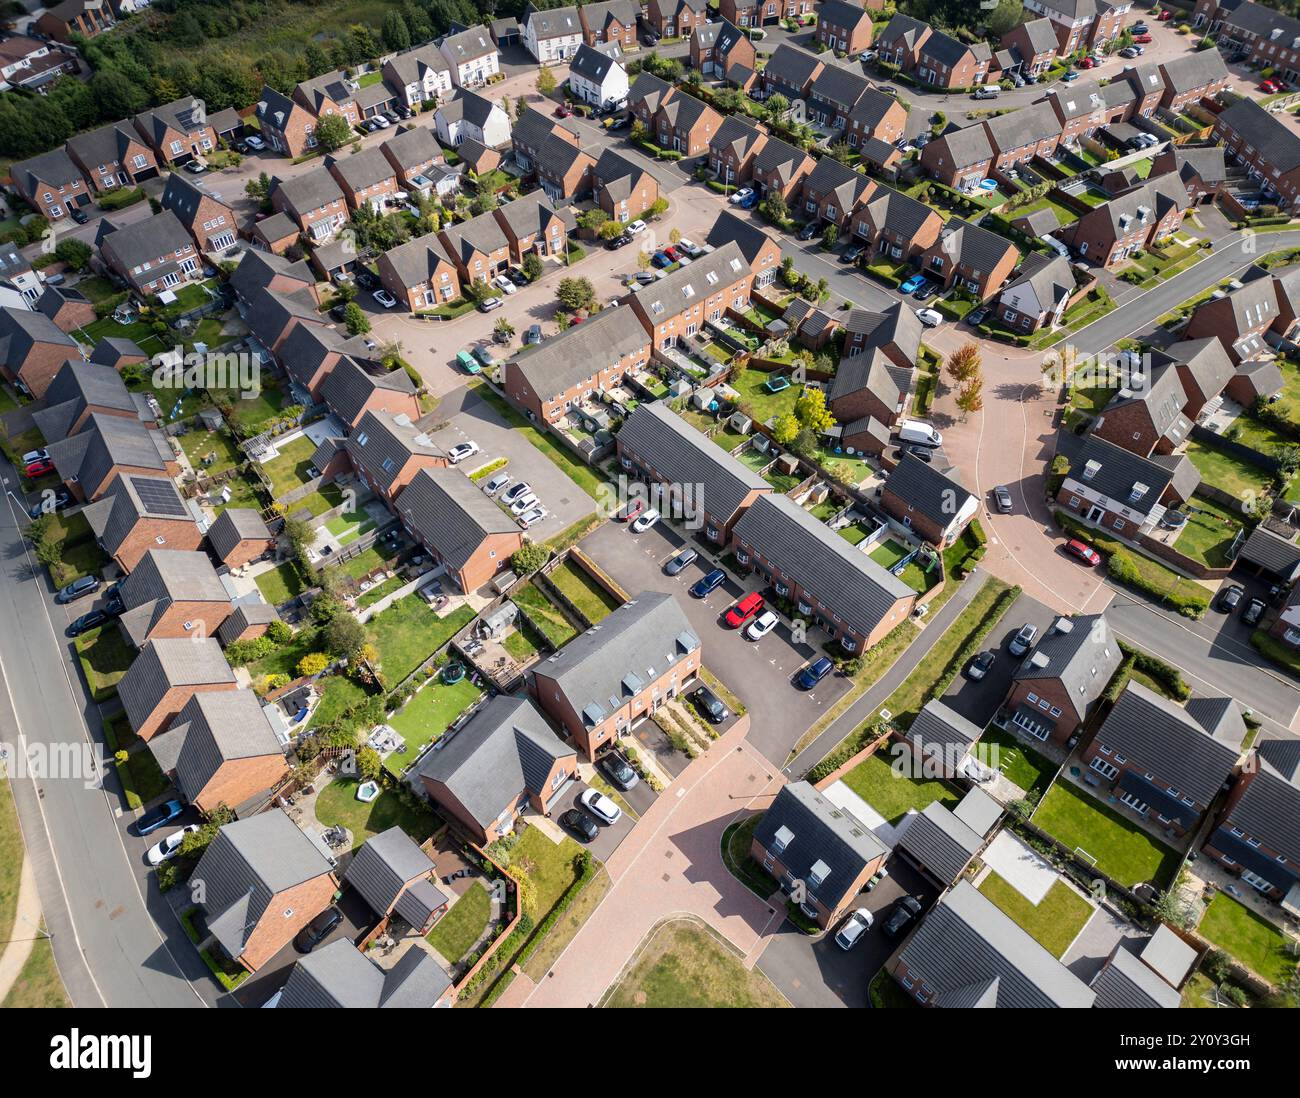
pixel 608 837
pixel 759 673
pixel 471 418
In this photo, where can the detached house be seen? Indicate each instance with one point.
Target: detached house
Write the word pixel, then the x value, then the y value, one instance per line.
pixel 1039 294
pixel 314 200
pixel 961 159
pixel 460 527
pixel 975 259
pixel 1146 414
pixel 331 93
pixel 1164 761
pixel 720 49
pixel 51 183
pixel 287 126
pixel 395 877
pixel 78 391
pixel 807 839
pixel 504 760
pixel 1243 319
pixel 607 680
pixel 264 881
pixel 623 189
pixel 834 95
pixel 563 170
pixel 112 156
pixel 934 505
pixel 869 386
pixel 365 178
pixel 1032 46
pixel 33 349
pixel 177 132
pixel 351 391
pixel 551 35
pixel 467 115
pixel 68 307
pixel 173 594
pixel 1204 369
pixel 420 273
pixel 686 124
pixel 413 151
pixel 1111 233
pixel 479 247
pixel 338 975
pixel 139 513
pixel 780 166
pixel 896 332
pixel 946 62
pixel 610 22
pixel 876 117
pixel 844 27
pixel 532 225
pixel 419 75
pixel 152 255
pixel 87 18
pixel 210 221
pixel 165 675
pixel 657 446
pixel 830 582
pixel 1059 681
pixel 676 18
pixel 472 56
pixel 896 225
pixel 597 76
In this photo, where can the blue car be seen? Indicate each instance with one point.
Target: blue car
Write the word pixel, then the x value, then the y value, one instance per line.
pixel 661 259
pixel 156 817
pixel 749 201
pixel 708 584
pixel 912 284
pixel 1070 77
pixel 811 675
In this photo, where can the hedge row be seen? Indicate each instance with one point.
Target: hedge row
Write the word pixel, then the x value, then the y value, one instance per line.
pixel 1153 667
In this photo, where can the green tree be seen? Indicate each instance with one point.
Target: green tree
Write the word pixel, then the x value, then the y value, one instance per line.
pixel 1006 15
pixel 545 80
pixel 333 132
pixel 313 663
pixel 528 558
pixel 369 764
pixel 344 636
pixel 355 319
pixel 784 429
pixel 532 266
pixel 576 293
pixel 75 253
pixel 316 60
pixel 811 411
pixel 774 207
pixel 830 236
pixel 394 33
pixel 503 330
pixel 593 220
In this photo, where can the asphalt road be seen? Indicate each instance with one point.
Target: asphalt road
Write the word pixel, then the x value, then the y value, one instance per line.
pixel 109 950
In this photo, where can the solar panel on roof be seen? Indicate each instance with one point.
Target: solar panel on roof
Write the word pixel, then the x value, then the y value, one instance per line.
pixel 159 496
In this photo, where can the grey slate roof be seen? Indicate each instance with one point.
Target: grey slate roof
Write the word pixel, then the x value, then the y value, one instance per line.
pixel 871 370
pixel 832 177
pixel 105 145
pixel 162 577
pixel 412 145
pixel 384 866
pixel 1271 551
pixel 934 494
pixel 531 213
pixel 103 442
pixel 469 44
pixel 940 842
pixel 145 241
pixel 1190 71
pixel 970 246
pixel 897 326
pixel 482 233
pixel 552 23
pixel 966 949
pixel 817 833
pixel 564 360
pixel 338 975
pixel 1127 984
pixel 940 730
pixel 684 455
pixel 54 168
pixel 746 234
pixel 1024 126
pixel 1051 279
pixel 780 157
pixel 592 64
pixel 610 663
pixel 236 524
pixel 363 169
pixel 451 514
pixel 821 561
pixel 183 196
pixel 383 443
pixel 76 387
pixel 507 748
pixel 347 387
pixel 650 90
pixel 310 190
pixel 168 662
pixel 1158 735
pixel 417 260
pixel 217 727
pixel 1041 35
pixel 249 863
pixel 841 13
pixel 840 87
pixel 1081 652
pixel 275 108
pixel 1168 956
pixel 792 68
pixel 1118 470
pixel 897 213
pixel 132 497
pixel 1164 399
pixel 968 146
pixel 244 614
pixel 736 134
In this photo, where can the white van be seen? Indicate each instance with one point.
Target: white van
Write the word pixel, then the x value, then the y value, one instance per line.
pixel 987 91
pixel 919 433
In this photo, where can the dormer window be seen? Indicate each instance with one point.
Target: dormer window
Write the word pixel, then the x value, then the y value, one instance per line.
pixel 1091 468
pixel 1139 490
pixel 783 838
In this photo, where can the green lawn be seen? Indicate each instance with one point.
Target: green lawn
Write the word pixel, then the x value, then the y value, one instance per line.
pixel 426 716
pixel 253 414
pixel 38 984
pixel 549 619
pixel 1209 533
pixel 1253 941
pixel 684 964
pixel 200 445
pixel 843 467
pixel 892 793
pixel 1227 473
pixel 854 533
pixel 546 867
pixel 105 657
pixel 11 860
pixel 1002 751
pixel 337 804
pixel 281 583
pixel 888 552
pixel 754 396
pixel 325 498
pixel 288 469
pixel 409 632
pixel 592 600
pixel 1122 850
pixel 456 932
pixel 338 694
pixel 1053 923
pixel 1288 402
pixel 522 643
pixel 347 527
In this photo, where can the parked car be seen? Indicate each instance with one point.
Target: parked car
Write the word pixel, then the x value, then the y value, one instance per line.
pixel 922 453
pixel 749 201
pixel 582 826
pixel 1253 612
pixel 710 705
pixel 929 317
pixel 852 253
pixel 905 913
pixel 78 215
pixel 467 362
pixel 811 675
pixel 533 335
pixel 152 820
pixel 387 300
pixel 502 282
pixel 741 194
pixel 986 91
pixel 912 284
pixel 1086 63
pixel 1140 27
pixel 977 316
pixel 517 276
pixel 1023 641
pixel 629 510
pixel 679 561
pixel 1070 77
pixel 1229 598
pixel 636 227
pixel 762 625
pixel 496 482
pixel 853 928
pixel 1128 51
pixel 517 492
pixel 980 666
pixel 35 455
pixel 39 468
pixel 644 521
pixel 1080 551
pixel 618 770
pixel 1270 85
pixel 166 849
pixel 79 589
pixel 195 167
pixel 925 291
pixel 661 260
pixel 1002 497
pixel 748 607
pixel 808 231
pixel 461 451
pixel 532 517
pixel 55 501
pixel 92 619
pixel 563 111
pixel 490 303
pixel 693 250
pixel 316 931
pixel 484 354
pixel 1142 37
pixel 600 806
pixel 706 585
pixel 644 278
pixel 524 504
pixel 672 253
pixel 621 241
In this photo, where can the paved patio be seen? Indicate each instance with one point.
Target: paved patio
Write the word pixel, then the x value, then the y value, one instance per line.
pixel 1022 868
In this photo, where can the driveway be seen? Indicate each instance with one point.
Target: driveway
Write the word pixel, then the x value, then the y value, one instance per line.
pixel 978 701
pixel 815 972
pixel 608 836
pixel 470 417
pixel 759 673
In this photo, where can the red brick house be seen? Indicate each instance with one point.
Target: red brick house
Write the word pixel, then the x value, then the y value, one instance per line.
pixel 843 27
pixel 869 386
pixel 977 260
pixel 351 392
pixel 330 93
pixel 1264 144
pixel 960 159
pixel 366 178
pixel 52 183
pixel 138 513
pixel 152 255
pixel 286 125
pixel 1147 415
pixel 479 247
pixel 87 18
pixel 623 189
pixel 718 49
pixel 895 225
pixel 676 18
pixel 420 273
pixel 1111 233
pixel 674 308
pixel 172 594
pixel 68 307
pixel 82 389
pixel 112 156
pixel 210 221
pixel 1241 319
pixel 177 132
pixel 1193 77
pixel 1032 45
pixel 165 675
pixel 610 21
pixel 35 349
pixel 314 200
pixel 761 251
pixel 686 124
pixel 935 506
pixel 240 536
pixel 387 451
pixel 734 149
pixel 782 167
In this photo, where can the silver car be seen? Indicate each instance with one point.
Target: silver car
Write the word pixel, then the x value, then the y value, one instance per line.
pixel 1023 641
pixel 855 926
pixel 1003 497
pixel 496 482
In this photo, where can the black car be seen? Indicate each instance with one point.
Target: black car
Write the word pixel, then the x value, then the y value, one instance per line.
pixel 366 279
pixel 808 231
pixel 708 703
pixel 904 915
pixel 517 276
pixel 977 316
pixel 88 621
pixel 679 561
pixel 78 215
pixel 1229 598
pixel 922 452
pixel 57 502
pixel 1253 612
pixel 316 931
pixel 619 242
pixel 925 291
pixel 708 584
pixel 339 312
pixel 618 770
pixel 980 665
pixel 580 824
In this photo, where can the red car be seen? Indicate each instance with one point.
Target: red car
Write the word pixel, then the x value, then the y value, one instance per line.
pixel 630 510
pixel 1270 86
pixel 1165 16
pixel 745 609
pixel 1085 553
pixel 1144 39
pixel 672 253
pixel 563 111
pixel 40 468
pixel 1088 63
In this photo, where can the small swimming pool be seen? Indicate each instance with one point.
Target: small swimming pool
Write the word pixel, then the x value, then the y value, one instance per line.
pixel 367 792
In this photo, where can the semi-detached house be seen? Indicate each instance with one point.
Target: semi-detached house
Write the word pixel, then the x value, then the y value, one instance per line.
pixel 314 200
pixel 113 156
pixel 419 75
pixel 420 273
pixel 152 255
pixel 610 21
pixel 472 57
pixel 675 308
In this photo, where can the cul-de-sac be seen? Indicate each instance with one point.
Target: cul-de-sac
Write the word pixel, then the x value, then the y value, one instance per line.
pixel 705 503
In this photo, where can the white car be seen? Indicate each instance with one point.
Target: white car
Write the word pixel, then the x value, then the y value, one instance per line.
pixel 532 517
pixel 254 142
pixel 502 283
pixel 35 455
pixel 461 451
pixel 387 300
pixel 637 226
pixel 600 806
pixel 380 121
pixel 513 494
pixel 762 625
pixel 741 195
pixel 645 521
pixel 856 925
pixel 165 849
pixel 523 504
pixel 929 317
